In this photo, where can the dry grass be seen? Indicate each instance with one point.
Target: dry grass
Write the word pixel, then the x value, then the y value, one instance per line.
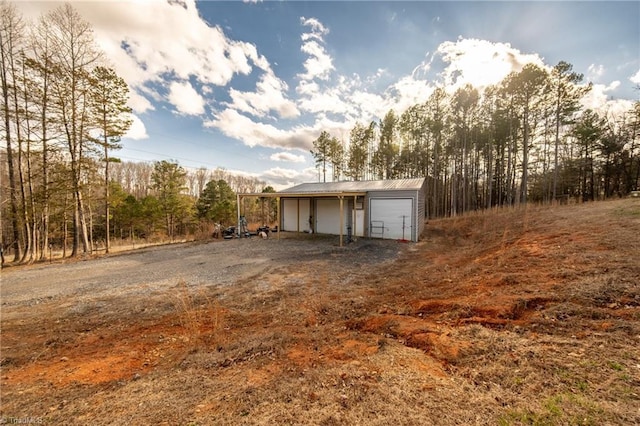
pixel 525 316
pixel 200 316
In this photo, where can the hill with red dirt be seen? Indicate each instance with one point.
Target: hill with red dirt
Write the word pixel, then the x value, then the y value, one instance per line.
pixel 515 316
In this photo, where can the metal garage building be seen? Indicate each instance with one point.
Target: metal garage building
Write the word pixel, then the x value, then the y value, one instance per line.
pixel 390 209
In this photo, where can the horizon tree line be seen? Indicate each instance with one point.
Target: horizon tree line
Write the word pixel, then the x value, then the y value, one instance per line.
pixel 527 138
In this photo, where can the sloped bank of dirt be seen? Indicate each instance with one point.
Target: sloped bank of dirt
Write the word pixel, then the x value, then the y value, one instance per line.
pixel 526 316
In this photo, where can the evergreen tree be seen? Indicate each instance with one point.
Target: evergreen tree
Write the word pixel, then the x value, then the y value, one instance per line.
pixel 322 152
pixel 109 96
pixel 169 181
pixel 360 140
pixel 386 155
pixel 217 202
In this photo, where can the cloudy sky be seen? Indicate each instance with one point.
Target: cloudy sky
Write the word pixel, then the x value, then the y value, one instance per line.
pixel 248 86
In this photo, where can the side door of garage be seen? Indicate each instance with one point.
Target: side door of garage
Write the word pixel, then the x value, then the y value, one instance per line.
pixel 391 218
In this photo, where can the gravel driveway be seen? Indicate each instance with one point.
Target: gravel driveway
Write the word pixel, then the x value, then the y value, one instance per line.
pixel 202 263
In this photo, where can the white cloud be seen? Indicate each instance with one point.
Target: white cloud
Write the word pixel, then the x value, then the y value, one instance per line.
pixel 481 63
pixel 139 103
pixel 477 62
pixel 409 91
pixel 287 157
pixel 281 178
pixel 317 29
pixel 594 72
pixel 185 98
pixel 319 64
pixel 269 96
pixel 378 75
pixel 151 43
pixel 240 127
pixel 330 99
pixel 282 173
pixel 635 79
pixel 599 100
pixel 235 125
pixel 371 105
pixel 137 131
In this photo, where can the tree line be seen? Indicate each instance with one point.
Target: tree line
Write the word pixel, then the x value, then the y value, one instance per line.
pixel 525 139
pixel 163 199
pixel 63 114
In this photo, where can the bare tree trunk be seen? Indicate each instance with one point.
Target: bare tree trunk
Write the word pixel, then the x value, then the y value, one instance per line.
pixel 65 229
pixel 555 152
pixel 18 117
pixel 525 159
pixel 9 37
pixel 91 241
pixel 84 232
pixel 106 199
pixel 30 212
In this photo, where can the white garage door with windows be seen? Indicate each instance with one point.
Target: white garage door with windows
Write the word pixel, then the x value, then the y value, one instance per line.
pixel 388 216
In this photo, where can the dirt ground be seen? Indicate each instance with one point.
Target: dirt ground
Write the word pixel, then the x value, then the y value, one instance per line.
pixel 519 316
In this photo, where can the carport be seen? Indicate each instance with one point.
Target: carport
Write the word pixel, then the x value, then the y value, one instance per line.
pixel 388 209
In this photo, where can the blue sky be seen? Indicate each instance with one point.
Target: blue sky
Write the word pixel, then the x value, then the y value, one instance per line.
pixel 247 86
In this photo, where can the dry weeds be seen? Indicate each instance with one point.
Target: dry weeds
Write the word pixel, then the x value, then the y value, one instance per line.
pixel 523 316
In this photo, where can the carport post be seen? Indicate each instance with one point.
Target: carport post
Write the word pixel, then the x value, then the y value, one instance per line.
pixel 238 213
pixel 354 217
pixel 279 224
pixel 341 198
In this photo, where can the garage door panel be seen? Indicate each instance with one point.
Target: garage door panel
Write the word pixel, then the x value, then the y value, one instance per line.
pixel 328 216
pixel 305 213
pixel 295 214
pixel 394 215
pixel 289 215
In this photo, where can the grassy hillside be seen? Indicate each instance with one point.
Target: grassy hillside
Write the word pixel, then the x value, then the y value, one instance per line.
pixel 526 316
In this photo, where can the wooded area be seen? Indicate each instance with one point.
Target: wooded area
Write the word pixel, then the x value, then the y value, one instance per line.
pixel 64 113
pixel 527 139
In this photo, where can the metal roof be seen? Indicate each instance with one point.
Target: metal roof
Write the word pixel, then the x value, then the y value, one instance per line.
pixel 355 186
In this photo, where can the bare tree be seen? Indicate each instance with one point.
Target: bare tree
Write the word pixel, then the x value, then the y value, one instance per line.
pixel 11 34
pixel 75 54
pixel 42 70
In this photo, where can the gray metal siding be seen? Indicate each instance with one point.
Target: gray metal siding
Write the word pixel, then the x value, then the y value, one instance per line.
pixel 414 195
pixel 392 194
pixel 421 210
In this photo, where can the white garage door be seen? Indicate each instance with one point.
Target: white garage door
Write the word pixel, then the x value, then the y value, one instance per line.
pixel 290 215
pixel 328 216
pixel 388 216
pixel 295 214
